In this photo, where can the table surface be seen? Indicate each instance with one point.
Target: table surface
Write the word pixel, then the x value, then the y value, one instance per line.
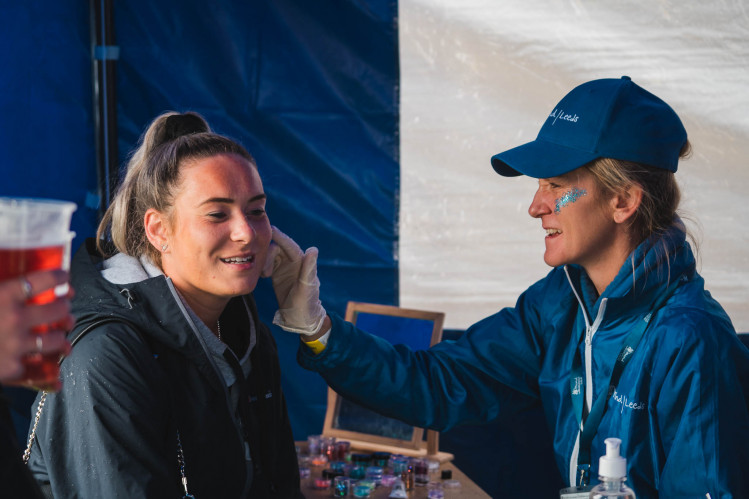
pixel 467 490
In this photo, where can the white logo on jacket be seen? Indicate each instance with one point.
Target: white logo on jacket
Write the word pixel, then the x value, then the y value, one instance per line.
pixel 578 385
pixel 624 402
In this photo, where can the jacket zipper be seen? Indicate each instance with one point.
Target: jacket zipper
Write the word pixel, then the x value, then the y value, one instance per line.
pixel 590 330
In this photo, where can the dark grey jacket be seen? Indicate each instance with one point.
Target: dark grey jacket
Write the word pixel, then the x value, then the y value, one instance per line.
pixel 131 384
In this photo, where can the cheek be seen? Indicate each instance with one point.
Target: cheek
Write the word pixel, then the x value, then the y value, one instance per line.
pixel 263 232
pixel 568 198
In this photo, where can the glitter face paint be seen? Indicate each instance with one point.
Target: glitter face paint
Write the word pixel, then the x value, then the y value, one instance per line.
pixel 569 197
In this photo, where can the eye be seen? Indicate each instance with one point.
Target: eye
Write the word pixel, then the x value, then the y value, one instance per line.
pixel 217 215
pixel 256 212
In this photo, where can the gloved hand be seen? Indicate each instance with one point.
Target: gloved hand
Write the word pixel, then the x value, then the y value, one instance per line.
pixel 294 275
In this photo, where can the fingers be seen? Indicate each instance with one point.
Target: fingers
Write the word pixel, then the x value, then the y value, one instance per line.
pixel 284 248
pixel 19 317
pixel 21 289
pixel 288 247
pixel 53 342
pixel 57 311
pixel 43 280
pixel 14 348
pixel 274 252
pixel 308 274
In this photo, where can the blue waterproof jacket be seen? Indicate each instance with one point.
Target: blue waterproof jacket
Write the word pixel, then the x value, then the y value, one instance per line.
pixel 681 407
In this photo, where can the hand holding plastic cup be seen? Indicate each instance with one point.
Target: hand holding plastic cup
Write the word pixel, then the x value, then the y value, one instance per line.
pixel 35 235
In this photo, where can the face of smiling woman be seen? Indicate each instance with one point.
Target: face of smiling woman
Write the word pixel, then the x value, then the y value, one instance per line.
pixel 580 226
pixel 217 234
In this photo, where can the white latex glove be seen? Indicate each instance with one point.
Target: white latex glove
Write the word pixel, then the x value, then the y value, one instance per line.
pixel 294 275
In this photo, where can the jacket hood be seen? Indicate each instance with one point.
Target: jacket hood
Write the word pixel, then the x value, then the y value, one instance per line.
pixel 127 289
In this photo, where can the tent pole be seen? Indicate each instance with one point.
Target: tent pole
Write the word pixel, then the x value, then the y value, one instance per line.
pixel 104 58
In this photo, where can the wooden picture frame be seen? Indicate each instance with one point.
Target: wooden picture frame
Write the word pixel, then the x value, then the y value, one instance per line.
pixel 364 428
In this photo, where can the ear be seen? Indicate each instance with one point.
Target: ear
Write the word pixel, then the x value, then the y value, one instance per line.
pixel 626 203
pixel 156 228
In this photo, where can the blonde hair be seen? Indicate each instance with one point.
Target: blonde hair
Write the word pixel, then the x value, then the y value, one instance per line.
pixel 659 208
pixel 153 176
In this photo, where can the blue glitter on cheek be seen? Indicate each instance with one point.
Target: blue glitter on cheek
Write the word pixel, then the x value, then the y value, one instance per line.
pixel 569 197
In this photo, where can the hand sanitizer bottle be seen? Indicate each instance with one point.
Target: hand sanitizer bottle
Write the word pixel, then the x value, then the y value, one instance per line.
pixel 612 472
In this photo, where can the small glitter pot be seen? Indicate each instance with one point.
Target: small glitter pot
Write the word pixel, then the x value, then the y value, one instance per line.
pixel 341 449
pixel 387 480
pixel 321 483
pixel 361 490
pixel 341 486
pixel 357 471
pixel 398 464
pixel 339 466
pixel 380 459
pixel 374 473
pixel 421 472
pixel 313 445
pixel 328 448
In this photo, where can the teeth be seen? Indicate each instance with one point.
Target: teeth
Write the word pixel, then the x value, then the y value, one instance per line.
pixel 237 260
pixel 551 232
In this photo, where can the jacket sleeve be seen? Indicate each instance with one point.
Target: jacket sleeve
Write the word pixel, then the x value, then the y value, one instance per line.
pixel 701 413
pixel 493 367
pixel 106 433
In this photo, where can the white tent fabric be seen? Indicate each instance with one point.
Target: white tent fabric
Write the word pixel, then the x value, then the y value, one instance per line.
pixel 480 76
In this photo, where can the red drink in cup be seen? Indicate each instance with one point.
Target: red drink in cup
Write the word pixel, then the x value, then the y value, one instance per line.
pixel 35 235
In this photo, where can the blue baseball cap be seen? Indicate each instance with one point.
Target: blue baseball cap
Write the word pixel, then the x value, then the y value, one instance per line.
pixel 607 118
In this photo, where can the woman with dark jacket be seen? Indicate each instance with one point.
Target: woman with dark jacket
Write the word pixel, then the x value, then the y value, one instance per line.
pixel 173 383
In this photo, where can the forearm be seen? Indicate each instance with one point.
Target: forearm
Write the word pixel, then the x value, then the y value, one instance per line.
pixel 434 388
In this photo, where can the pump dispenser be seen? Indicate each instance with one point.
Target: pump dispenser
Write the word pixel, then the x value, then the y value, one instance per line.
pixel 612 472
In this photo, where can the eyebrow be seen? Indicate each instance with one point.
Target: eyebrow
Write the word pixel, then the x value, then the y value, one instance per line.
pixel 231 201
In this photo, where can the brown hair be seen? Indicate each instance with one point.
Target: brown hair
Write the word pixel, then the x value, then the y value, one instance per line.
pixel 153 176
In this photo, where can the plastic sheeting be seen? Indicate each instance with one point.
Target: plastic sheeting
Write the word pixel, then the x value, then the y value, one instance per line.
pixel 480 76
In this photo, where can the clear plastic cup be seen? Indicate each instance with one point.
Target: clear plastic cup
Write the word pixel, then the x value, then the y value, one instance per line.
pixel 35 235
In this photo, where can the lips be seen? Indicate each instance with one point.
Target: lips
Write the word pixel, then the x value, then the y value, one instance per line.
pixel 239 259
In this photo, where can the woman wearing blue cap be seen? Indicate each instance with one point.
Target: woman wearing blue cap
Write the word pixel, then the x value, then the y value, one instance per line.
pixel 620 339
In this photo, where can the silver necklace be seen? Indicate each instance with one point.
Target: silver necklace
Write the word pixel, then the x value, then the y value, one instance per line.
pixel 218 329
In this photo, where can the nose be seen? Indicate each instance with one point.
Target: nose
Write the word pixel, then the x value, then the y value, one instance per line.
pixel 540 205
pixel 242 230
